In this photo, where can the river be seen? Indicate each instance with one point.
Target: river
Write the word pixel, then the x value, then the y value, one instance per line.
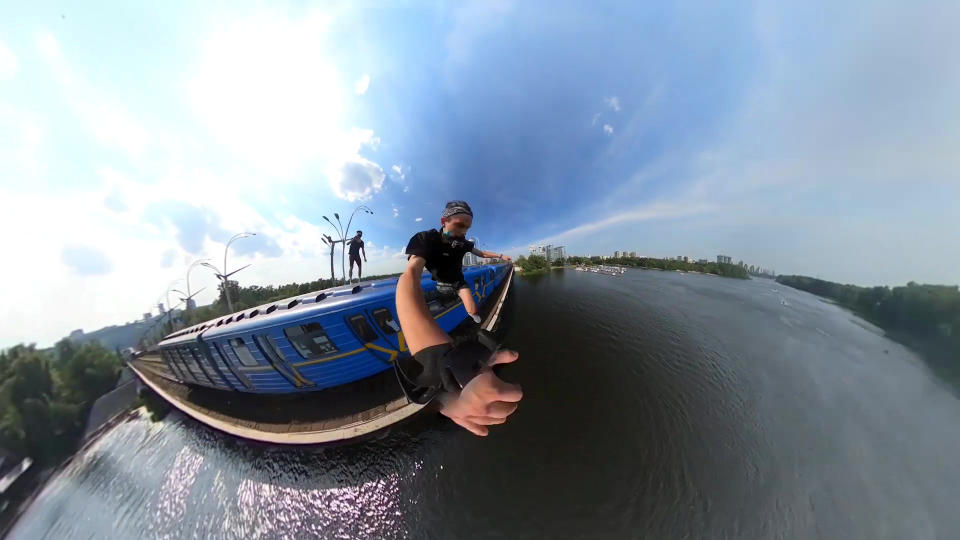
pixel 656 405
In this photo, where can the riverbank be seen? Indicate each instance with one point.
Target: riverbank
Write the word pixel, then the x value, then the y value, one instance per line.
pixel 925 318
pixel 540 271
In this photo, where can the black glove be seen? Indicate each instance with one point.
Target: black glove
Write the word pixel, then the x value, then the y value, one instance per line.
pixel 444 367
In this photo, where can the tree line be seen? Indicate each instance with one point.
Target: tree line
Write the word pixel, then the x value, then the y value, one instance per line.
pixel 535 264
pixel 926 317
pixel 719 269
pixel 45 396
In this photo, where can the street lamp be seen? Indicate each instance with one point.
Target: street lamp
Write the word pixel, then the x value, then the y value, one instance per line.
pixel 333 242
pixel 224 276
pixel 190 269
pixel 226 249
pixel 225 279
pixel 169 288
pixel 328 240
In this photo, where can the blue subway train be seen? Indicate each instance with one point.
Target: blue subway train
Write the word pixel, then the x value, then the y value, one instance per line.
pixel 313 341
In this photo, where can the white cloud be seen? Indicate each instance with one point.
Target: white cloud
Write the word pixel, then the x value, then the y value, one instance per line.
pixel 613 102
pixel 129 287
pixel 419 219
pixel 645 212
pixel 596 118
pixel 9 65
pixel 406 189
pixel 362 84
pixel 111 124
pixel 266 88
pixel 398 170
pixel 22 136
pixel 608 129
pixel 357 179
pixel 396 212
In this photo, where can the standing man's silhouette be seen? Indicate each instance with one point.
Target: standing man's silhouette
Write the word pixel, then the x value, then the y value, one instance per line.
pixel 356 246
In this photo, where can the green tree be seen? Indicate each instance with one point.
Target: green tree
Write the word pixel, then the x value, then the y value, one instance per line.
pixel 86 374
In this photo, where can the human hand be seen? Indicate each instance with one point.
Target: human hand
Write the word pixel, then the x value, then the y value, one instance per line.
pixel 485 401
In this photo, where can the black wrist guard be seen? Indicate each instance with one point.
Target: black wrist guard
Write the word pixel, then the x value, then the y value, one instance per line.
pixel 443 367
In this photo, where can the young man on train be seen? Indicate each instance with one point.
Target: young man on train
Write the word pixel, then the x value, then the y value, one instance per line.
pixel 442 251
pixel 356 246
pixel 460 377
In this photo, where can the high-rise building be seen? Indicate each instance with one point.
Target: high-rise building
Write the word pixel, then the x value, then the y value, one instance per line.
pixel 469 259
pixel 550 252
pixel 723 259
pixel 616 254
pixel 633 254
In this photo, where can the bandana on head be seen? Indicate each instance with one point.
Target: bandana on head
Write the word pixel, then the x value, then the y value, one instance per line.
pixel 456 207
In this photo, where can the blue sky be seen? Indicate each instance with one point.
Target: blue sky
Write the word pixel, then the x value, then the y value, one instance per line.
pixel 815 139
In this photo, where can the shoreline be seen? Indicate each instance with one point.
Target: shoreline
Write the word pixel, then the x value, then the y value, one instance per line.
pixel 44 477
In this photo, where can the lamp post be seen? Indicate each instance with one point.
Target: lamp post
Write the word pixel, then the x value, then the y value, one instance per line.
pixel 225 280
pixel 333 242
pixel 190 269
pixel 170 288
pixel 224 276
pixel 328 240
pixel 226 249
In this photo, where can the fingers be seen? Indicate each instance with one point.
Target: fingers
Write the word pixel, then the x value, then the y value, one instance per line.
pixel 471 426
pixel 504 391
pixel 504 356
pixel 486 420
pixel 501 409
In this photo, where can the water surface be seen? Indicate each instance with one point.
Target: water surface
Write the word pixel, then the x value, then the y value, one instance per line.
pixel 657 404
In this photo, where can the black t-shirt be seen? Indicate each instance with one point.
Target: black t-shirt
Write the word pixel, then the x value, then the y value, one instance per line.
pixel 444 257
pixel 355 246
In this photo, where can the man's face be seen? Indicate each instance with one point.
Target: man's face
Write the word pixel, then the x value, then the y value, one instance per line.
pixel 458 225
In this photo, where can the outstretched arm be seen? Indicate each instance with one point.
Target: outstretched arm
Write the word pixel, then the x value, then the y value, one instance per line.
pixel 485 400
pixel 490 254
pixel 419 328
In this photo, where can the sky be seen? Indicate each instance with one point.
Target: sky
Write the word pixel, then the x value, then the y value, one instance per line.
pixel 135 139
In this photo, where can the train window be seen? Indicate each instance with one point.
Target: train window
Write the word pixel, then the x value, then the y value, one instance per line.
pixel 201 362
pixel 310 340
pixel 276 359
pixel 362 328
pixel 242 352
pixel 385 321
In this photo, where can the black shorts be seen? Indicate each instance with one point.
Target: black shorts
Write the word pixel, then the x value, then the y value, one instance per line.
pixel 451 288
pixel 355 258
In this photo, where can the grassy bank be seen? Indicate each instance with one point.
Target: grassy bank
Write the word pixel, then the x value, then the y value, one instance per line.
pixel 925 318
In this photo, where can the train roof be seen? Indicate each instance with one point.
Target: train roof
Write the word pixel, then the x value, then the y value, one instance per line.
pixel 297 307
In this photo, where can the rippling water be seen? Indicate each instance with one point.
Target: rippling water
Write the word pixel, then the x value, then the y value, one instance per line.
pixel 656 405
